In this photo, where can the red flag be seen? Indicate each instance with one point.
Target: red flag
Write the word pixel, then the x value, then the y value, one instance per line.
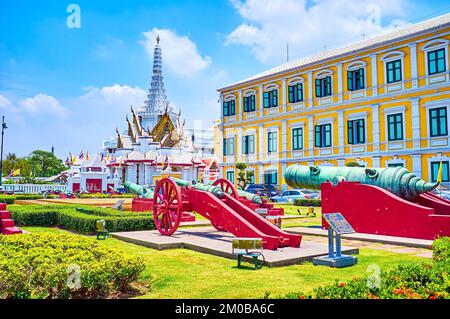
pixel 11 173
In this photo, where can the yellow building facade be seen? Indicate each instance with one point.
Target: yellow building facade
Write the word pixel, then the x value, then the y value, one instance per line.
pixel 379 102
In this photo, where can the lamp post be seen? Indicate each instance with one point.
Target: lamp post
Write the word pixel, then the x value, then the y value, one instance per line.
pixel 1 151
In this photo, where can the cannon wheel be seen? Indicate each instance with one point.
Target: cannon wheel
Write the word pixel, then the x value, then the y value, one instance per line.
pixel 226 187
pixel 167 206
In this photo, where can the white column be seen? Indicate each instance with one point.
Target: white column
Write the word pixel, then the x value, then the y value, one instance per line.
pixel 238 144
pixel 339 78
pixel 415 114
pixel 285 93
pixel 376 161
pixel 261 174
pixel 341 131
pixel 340 162
pixel 310 89
pixel 376 127
pixel 311 135
pixel 241 104
pixel 261 142
pixel 283 169
pixel 261 101
pixel 221 107
pixel 417 164
pixel 284 139
pixel 413 54
pixel 221 135
pixel 374 75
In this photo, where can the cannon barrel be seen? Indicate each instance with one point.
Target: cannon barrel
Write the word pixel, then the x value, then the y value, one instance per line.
pixel 397 180
pixel 250 196
pixel 138 190
pixel 216 190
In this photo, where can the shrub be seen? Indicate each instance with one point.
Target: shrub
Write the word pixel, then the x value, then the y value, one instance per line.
pixel 82 220
pixel 7 199
pixel 419 281
pixel 101 195
pixel 308 202
pixel 43 265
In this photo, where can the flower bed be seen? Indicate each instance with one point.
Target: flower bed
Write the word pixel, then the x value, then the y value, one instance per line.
pixel 81 219
pixel 420 281
pixel 63 266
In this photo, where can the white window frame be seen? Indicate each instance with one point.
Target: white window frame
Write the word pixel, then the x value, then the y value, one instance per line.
pixel 293 81
pixel 396 160
pixel 438 141
pixel 432 45
pixel 273 153
pixel 437 158
pixel 353 66
pixel 357 148
pixel 389 57
pixel 324 151
pixel 390 111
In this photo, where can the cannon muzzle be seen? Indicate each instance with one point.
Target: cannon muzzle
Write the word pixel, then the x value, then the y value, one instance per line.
pixel 138 190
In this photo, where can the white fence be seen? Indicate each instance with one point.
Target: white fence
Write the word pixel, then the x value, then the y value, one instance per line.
pixel 33 188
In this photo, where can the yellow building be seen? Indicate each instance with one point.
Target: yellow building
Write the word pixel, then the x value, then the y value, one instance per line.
pixel 380 102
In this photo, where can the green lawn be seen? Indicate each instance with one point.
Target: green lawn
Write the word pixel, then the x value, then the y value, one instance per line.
pixel 182 273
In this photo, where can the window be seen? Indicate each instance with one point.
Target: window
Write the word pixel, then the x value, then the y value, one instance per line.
pixel 248 144
pixel 435 170
pixel 230 176
pixel 272 142
pixel 229 108
pixel 271 178
pixel 356 134
pixel 438 122
pixel 228 146
pixel 323 135
pixel 323 86
pixel 297 138
pixel 249 103
pixel 271 98
pixel 355 79
pixel 395 127
pixel 251 177
pixel 394 71
pixel 295 93
pixel 395 165
pixel 436 61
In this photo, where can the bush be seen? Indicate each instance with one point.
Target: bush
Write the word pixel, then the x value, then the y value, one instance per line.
pixel 81 219
pixel 101 195
pixel 420 281
pixel 7 199
pixel 308 202
pixel 43 265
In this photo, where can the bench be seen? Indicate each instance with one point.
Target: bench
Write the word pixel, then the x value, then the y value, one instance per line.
pixel 118 205
pixel 242 246
pixel 101 229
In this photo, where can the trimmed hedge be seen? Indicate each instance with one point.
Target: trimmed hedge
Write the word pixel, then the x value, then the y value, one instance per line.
pixel 101 195
pixel 419 281
pixel 7 199
pixel 308 202
pixel 63 266
pixel 82 220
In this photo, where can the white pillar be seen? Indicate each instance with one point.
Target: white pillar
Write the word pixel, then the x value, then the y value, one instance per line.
pixel 238 144
pixel 376 127
pixel 261 174
pixel 261 142
pixel 374 75
pixel 311 135
pixel 339 78
pixel 341 131
pixel 283 169
pixel 340 162
pixel 261 101
pixel 310 89
pixel 284 139
pixel 415 114
pixel 285 93
pixel 413 54
pixel 376 161
pixel 417 164
pixel 221 135
pixel 241 104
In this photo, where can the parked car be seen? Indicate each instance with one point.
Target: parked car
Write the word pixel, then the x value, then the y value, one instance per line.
pixel 293 194
pixel 262 189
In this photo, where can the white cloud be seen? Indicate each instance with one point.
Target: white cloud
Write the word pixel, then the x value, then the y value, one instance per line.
pixel 308 26
pixel 180 54
pixel 43 104
pixel 117 94
pixel 6 104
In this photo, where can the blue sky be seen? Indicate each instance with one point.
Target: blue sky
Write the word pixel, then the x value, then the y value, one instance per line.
pixel 72 87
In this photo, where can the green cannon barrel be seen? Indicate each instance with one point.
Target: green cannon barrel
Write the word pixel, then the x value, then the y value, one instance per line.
pixel 138 190
pixel 253 197
pixel 397 180
pixel 216 190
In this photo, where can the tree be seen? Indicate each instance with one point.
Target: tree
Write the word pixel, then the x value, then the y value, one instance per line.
pixel 353 164
pixel 11 161
pixel 244 176
pixel 45 163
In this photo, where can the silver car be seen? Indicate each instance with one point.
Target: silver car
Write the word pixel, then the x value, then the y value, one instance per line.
pixel 290 195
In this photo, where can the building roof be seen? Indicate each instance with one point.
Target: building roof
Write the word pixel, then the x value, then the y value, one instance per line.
pixel 400 33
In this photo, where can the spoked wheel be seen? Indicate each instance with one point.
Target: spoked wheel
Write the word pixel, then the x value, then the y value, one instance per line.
pixel 167 206
pixel 226 187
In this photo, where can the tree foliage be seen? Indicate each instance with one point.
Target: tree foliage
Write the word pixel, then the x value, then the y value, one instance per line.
pixel 244 177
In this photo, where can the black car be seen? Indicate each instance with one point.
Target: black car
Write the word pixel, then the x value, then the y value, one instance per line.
pixel 263 189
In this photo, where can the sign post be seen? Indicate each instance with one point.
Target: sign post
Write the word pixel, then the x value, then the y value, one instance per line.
pixel 338 226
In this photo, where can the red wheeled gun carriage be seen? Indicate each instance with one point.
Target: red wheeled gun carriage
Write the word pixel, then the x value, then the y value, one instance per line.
pixel 227 212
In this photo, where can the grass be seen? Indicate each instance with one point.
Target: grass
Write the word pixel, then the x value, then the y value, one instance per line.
pixel 182 273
